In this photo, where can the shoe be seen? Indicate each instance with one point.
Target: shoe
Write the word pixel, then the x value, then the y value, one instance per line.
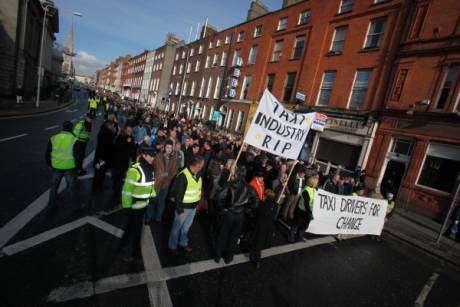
pixel 187 248
pixel 174 252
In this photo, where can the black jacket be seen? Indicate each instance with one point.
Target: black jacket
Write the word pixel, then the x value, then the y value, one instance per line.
pixel 293 185
pixel 237 196
pixel 104 148
pixel 123 152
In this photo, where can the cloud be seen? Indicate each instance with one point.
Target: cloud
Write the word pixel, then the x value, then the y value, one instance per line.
pixel 86 64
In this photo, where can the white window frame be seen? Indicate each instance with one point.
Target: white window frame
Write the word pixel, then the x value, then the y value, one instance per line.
pixel 244 84
pixel 321 86
pixel 209 88
pixel 255 31
pixel 353 85
pixel 227 39
pixel 208 61
pixel 218 43
pixel 308 12
pixel 223 58
pixel 217 88
pixel 281 24
pixel 192 88
pixel 200 50
pixel 197 65
pixel 334 35
pixel 240 36
pixel 215 59
pixel 251 54
pixel 201 87
pixel 381 34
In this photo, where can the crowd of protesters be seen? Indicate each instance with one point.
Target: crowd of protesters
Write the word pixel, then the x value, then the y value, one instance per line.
pixel 243 189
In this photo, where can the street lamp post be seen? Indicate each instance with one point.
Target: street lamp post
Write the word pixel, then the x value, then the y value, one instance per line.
pixel 46 7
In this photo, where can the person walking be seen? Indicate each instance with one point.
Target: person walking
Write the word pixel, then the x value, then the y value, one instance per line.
pixel 82 131
pixel 60 158
pixel 294 188
pixel 166 167
pixel 104 153
pixel 236 197
pixel 138 193
pixel 265 214
pixel 187 195
pixel 92 106
pixel 303 213
pixel 124 152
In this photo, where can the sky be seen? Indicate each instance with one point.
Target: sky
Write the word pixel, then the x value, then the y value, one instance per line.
pixel 111 28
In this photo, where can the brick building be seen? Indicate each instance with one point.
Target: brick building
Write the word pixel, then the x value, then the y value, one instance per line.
pixel 136 70
pixel 161 72
pixel 416 152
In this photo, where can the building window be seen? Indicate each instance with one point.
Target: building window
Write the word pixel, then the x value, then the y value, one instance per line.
pixel 420 15
pixel 252 55
pixel 402 147
pixel 346 6
pixel 201 88
pixel 326 88
pixel 239 121
pixel 270 82
pixel 184 54
pixel 240 37
pixel 338 40
pixel 189 67
pixel 176 92
pixel 448 84
pixel 245 87
pixel 192 51
pixel 208 61
pixel 218 43
pixel 197 65
pixel 184 89
pixel 181 69
pixel 174 70
pixel 200 49
pixel 375 33
pixel 289 86
pixel 441 167
pixel 217 88
pixel 228 39
pixel 236 56
pixel 223 59
pixel 177 55
pixel 298 47
pixel 282 23
pixel 215 59
pixel 360 85
pixel 277 51
pixel 192 89
pixel 304 17
pixel 258 31
pixel 208 89
pixel 230 119
pixel 399 84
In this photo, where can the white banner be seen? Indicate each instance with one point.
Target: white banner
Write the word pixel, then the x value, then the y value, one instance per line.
pixel 338 214
pixel 277 130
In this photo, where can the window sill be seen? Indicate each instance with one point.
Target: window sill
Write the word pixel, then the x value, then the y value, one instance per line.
pixel 280 30
pixel 298 59
pixel 274 62
pixel 302 24
pixel 333 53
pixel 343 13
pixel 373 49
pixel 378 3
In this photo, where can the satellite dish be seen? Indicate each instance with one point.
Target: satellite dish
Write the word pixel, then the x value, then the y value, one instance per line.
pixel 223 109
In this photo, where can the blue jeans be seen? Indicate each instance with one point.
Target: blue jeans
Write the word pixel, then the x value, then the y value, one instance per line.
pixel 71 179
pixel 179 230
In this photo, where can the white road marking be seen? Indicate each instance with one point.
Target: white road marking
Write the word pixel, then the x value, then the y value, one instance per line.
pixel 13 137
pixel 123 281
pixel 19 221
pixel 71 111
pixel 426 290
pixel 52 127
pixel 55 232
pixel 158 290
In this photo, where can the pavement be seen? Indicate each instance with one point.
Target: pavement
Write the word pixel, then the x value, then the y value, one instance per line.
pixel 71 258
pixel 423 232
pixel 9 107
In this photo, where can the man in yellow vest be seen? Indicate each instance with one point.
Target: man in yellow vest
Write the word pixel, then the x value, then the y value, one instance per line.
pixel 92 106
pixel 187 194
pixel 60 159
pixel 303 213
pixel 82 132
pixel 138 193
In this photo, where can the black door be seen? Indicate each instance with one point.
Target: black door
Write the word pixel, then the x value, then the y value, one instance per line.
pixel 393 177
